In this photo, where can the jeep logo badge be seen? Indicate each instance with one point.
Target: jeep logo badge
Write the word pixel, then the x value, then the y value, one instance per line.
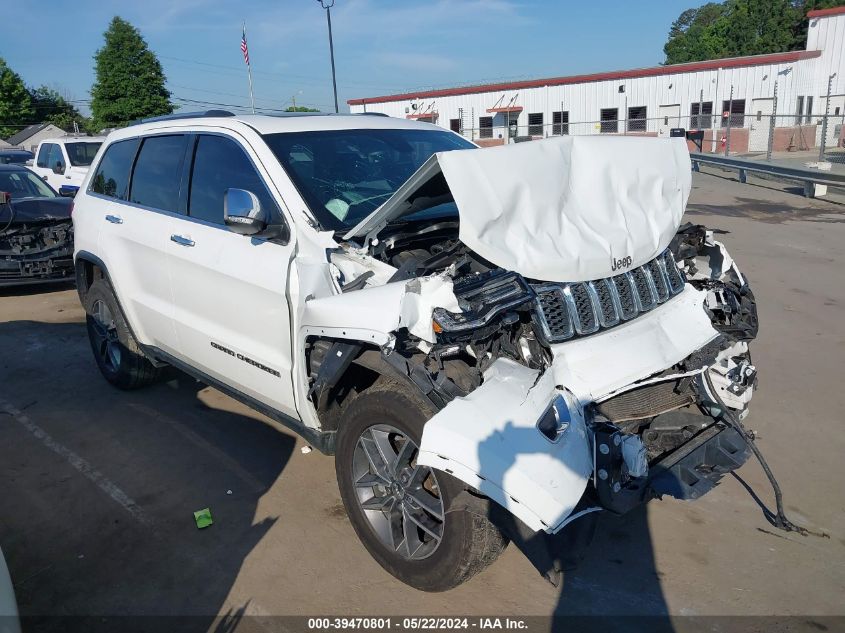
pixel 619 264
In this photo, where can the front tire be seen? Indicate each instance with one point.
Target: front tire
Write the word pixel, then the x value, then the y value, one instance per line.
pixel 115 350
pixel 403 512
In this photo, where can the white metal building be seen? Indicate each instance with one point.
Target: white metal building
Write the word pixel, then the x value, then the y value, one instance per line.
pixel 780 95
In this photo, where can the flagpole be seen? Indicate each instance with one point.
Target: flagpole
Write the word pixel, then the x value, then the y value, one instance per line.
pixel 249 73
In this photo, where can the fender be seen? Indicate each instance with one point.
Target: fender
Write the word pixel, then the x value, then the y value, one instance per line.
pixel 490 441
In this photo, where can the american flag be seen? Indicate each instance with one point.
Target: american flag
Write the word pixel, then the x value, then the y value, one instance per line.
pixel 244 48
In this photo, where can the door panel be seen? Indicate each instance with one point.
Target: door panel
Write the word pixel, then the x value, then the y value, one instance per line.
pixel 761 114
pixel 231 312
pixel 230 301
pixel 670 116
pixel 134 241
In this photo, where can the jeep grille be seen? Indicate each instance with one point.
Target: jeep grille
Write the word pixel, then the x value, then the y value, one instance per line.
pixel 567 310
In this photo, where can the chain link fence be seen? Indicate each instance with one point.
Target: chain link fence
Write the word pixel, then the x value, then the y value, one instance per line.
pixel 802 129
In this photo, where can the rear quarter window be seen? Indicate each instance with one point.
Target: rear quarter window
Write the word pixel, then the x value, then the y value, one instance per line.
pixel 112 175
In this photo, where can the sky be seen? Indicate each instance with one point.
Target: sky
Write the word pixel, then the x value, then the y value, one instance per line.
pixel 381 46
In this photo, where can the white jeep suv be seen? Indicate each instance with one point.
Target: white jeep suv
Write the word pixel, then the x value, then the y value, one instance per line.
pixel 493 343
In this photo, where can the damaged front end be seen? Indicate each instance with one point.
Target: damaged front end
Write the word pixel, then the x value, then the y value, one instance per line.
pixel 36 241
pixel 552 398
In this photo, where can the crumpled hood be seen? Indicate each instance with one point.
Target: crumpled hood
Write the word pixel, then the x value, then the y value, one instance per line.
pixel 31 210
pixel 561 209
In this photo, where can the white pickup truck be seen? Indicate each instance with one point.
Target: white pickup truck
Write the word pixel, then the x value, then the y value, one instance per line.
pixel 64 162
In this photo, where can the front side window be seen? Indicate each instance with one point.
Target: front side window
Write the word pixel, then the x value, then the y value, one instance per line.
pixel 112 175
pixel 24 184
pixel 344 175
pixel 221 164
pixel 44 155
pixel 158 171
pixel 81 153
pixel 56 158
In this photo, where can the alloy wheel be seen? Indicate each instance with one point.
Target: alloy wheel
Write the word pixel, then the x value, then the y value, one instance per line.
pixel 400 499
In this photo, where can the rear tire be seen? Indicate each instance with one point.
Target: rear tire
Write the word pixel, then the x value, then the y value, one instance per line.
pixel 400 533
pixel 115 350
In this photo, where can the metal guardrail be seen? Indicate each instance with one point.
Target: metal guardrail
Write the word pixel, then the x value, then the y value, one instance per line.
pixel 808 177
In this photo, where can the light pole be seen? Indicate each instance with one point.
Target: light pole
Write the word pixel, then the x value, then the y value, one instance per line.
pixel 327 5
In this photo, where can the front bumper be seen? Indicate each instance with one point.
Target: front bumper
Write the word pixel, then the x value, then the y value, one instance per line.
pixel 490 438
pixel 53 265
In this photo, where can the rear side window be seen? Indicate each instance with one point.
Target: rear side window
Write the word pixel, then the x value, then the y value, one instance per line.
pixel 220 164
pixel 112 176
pixel 158 171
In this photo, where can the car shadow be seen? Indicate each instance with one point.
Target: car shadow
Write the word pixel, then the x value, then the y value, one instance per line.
pixel 100 486
pixel 603 564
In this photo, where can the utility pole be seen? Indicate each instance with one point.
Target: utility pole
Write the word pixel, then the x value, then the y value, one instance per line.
pixel 730 116
pixel 772 123
pixel 826 114
pixel 327 5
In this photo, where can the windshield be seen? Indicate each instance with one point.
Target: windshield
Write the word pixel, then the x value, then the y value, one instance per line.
pixel 82 154
pixel 24 184
pixel 344 175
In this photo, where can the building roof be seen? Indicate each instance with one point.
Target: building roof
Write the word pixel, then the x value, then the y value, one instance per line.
pixel 823 13
pixel 711 64
pixel 27 132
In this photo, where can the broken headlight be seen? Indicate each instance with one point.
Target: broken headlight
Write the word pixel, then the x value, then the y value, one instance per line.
pixel 482 298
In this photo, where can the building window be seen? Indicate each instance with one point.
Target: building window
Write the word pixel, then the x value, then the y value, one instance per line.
pixel 799 111
pixel 609 121
pixel 560 123
pixel 809 110
pixel 737 113
pixel 485 127
pixel 455 125
pixel 535 124
pixel 637 119
pixel 701 115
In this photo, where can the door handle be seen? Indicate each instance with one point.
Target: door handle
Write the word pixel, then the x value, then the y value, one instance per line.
pixel 181 240
pixel 114 219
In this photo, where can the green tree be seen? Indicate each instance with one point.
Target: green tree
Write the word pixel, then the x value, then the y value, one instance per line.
pixel 130 81
pixel 692 37
pixel 300 109
pixel 16 110
pixel 51 107
pixel 740 27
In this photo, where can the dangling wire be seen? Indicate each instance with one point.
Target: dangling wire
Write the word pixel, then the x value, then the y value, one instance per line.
pixel 779 519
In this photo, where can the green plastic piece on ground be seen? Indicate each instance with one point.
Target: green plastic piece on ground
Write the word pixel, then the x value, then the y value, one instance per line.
pixel 203 518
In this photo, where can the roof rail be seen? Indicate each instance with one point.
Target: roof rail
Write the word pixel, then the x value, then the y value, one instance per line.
pixel 373 114
pixel 184 115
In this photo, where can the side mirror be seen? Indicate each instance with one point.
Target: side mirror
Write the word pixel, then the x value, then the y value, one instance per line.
pixel 59 169
pixel 242 212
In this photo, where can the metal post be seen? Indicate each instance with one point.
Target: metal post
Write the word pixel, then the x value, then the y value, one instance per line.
pixel 327 5
pixel 730 114
pixel 772 123
pixel 824 121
